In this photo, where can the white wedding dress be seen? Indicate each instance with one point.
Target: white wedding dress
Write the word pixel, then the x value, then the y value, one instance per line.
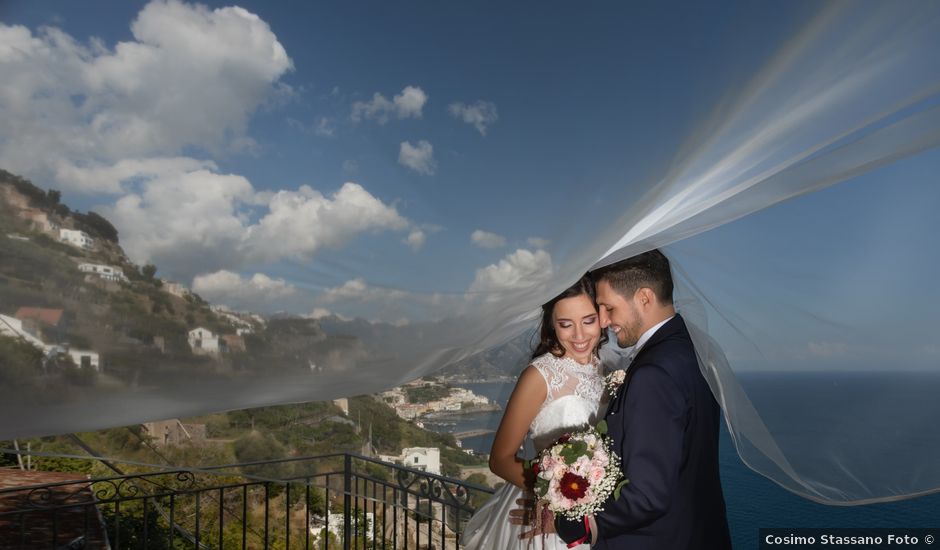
pixel 573 402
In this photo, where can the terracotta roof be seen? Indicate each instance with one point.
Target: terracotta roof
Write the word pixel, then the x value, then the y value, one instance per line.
pixel 34 526
pixel 50 317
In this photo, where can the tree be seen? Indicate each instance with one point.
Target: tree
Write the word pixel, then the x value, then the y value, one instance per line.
pixel 148 271
pixel 53 196
pixel 98 225
pixel 257 446
pixel 478 479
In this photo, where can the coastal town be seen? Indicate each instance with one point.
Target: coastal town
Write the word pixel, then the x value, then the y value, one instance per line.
pixel 451 400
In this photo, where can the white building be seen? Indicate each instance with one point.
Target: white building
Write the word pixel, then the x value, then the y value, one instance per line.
pixel 75 237
pixel 13 327
pixel 85 358
pixel 106 272
pixel 204 342
pixel 427 459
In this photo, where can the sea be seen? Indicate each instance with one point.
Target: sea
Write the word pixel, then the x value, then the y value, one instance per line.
pixel 755 502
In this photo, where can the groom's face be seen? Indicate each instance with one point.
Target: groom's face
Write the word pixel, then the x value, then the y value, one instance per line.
pixel 620 314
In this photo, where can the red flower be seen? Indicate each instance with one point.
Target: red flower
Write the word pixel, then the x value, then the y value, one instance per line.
pixel 536 468
pixel 573 486
pixel 565 438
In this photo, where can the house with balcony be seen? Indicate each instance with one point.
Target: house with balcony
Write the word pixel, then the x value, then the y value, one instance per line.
pixel 106 272
pixel 76 238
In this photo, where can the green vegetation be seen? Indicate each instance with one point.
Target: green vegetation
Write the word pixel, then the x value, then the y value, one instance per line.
pixel 37 197
pixel 96 226
pixel 427 393
pixel 20 363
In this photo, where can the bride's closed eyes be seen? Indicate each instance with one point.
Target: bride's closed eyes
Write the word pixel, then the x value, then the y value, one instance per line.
pixel 587 321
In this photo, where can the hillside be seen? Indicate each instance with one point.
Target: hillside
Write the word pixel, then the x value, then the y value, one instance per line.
pixel 503 363
pixel 68 289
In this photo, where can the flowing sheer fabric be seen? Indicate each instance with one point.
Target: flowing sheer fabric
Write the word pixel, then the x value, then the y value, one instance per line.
pixel 800 219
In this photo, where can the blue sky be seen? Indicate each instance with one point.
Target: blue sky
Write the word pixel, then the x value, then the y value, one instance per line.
pixel 198 142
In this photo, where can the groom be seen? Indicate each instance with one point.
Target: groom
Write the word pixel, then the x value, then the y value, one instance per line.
pixel 663 421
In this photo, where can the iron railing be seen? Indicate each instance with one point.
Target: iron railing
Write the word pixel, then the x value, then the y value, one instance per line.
pixel 328 502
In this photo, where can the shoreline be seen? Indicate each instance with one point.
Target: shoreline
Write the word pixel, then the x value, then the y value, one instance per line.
pixel 445 415
pixel 503 380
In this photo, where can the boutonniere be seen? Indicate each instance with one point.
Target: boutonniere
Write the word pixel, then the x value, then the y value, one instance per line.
pixel 614 380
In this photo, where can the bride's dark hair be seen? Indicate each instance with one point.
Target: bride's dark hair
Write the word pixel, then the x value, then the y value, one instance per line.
pixel 548 340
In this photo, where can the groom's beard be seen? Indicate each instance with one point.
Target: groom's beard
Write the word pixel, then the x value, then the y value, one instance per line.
pixel 631 329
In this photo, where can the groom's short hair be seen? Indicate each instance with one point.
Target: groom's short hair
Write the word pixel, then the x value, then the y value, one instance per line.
pixel 649 270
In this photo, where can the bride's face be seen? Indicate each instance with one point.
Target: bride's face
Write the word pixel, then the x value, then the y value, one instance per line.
pixel 577 327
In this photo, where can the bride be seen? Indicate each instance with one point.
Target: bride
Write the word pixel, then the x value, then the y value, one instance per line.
pixel 559 391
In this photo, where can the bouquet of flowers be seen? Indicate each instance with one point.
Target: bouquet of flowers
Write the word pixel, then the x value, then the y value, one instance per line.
pixel 576 475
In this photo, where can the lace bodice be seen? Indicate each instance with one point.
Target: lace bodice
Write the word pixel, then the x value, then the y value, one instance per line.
pixel 573 400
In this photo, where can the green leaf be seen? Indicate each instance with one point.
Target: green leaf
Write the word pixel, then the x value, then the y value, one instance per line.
pixel 602 427
pixel 618 487
pixel 572 451
pixel 541 486
pixel 569 455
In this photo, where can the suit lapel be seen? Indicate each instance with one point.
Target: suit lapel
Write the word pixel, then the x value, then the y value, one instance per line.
pixel 673 325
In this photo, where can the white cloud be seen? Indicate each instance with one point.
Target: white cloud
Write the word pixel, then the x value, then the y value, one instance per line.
pixel 114 178
pixel 408 103
pixel 538 242
pixel 201 221
pixel 190 78
pixel 299 223
pixel 357 290
pixel 485 239
pixel 184 223
pixel 415 239
pixel 325 127
pixel 259 293
pixel 520 269
pixel 480 115
pixel 419 158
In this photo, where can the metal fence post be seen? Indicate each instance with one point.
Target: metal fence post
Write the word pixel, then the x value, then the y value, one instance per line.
pixel 347 501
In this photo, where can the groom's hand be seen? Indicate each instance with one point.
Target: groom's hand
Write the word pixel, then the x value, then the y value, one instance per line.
pixel 570 530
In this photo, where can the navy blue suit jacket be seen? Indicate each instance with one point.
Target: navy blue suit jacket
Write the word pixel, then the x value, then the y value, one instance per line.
pixel 664 426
